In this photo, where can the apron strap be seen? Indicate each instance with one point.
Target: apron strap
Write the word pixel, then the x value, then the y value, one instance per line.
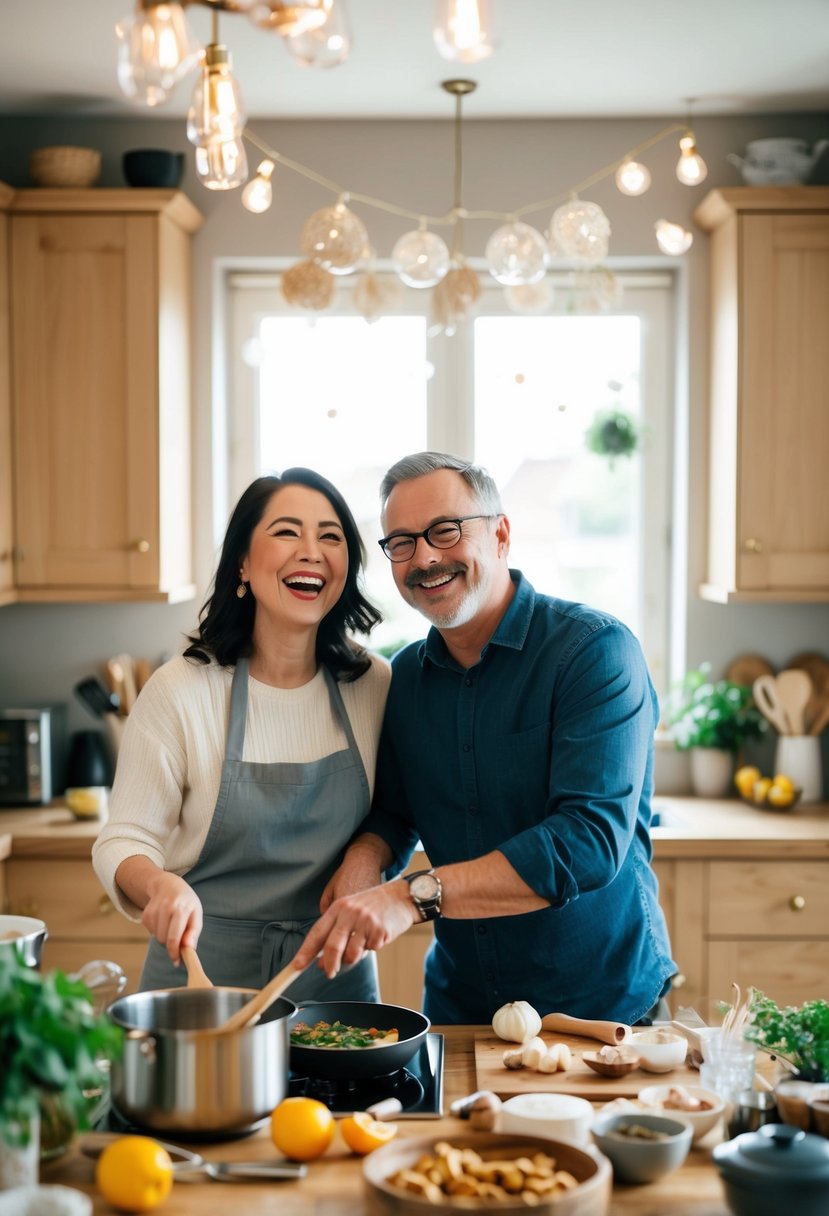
pixel 235 744
pixel 342 713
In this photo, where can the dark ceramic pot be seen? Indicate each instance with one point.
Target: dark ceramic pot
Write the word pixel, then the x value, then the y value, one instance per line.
pixel 154 167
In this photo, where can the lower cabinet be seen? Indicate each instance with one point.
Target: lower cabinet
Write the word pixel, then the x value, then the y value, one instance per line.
pixel 751 922
pixel 400 965
pixel 83 922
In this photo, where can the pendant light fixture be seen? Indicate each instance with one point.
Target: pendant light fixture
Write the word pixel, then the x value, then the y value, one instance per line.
pixel 691 169
pixel 156 48
pixel 216 119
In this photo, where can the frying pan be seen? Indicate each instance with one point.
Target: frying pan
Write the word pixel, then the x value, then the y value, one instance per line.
pixel 357 1063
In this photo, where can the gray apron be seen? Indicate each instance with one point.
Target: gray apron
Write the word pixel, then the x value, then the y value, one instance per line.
pixel 277 835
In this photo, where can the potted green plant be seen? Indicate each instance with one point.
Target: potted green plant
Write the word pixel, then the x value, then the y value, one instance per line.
pixel 713 719
pixel 798 1036
pixel 51 1048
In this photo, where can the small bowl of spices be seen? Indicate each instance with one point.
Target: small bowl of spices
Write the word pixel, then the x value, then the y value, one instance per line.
pixel 642 1147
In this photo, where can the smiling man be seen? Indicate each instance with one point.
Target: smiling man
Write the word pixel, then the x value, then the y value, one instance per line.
pixel 518 747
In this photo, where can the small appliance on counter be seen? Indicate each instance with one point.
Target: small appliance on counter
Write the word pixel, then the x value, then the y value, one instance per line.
pixel 32 754
pixel 89 773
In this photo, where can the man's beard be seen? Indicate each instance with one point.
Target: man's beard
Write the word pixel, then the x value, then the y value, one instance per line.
pixel 446 616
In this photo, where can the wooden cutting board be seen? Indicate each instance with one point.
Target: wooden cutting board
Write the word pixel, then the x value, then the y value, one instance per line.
pixel 579 1080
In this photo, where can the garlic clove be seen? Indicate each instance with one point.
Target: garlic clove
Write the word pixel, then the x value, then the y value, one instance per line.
pixel 563 1056
pixel 534 1052
pixel 548 1062
pixel 514 1058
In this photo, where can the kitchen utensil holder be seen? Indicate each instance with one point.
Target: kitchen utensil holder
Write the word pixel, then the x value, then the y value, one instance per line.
pixel 798 756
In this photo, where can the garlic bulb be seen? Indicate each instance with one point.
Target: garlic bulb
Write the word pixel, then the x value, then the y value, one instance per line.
pixel 534 1052
pixel 516 1022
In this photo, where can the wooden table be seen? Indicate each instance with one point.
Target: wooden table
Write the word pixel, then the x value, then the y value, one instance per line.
pixel 333 1186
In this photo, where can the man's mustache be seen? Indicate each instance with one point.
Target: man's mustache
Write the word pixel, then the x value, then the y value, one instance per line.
pixel 415 577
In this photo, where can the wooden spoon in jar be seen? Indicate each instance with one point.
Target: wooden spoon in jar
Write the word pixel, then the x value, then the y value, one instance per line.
pixel 196 976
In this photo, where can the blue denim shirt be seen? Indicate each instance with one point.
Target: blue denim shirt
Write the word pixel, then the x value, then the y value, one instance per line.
pixel 544 751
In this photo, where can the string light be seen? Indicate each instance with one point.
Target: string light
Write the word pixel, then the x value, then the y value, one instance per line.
pixel 257 195
pixel 691 169
pixel 464 30
pixel 672 239
pixel 633 178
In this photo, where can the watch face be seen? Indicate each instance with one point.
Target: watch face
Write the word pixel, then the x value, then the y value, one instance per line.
pixel 425 886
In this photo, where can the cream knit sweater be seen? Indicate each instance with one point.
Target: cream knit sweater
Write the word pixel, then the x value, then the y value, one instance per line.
pixel 170 761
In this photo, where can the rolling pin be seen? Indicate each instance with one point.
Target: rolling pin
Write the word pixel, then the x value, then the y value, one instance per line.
pixel 605 1032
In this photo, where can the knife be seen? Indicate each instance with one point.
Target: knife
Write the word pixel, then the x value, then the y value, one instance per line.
pixel 241 1170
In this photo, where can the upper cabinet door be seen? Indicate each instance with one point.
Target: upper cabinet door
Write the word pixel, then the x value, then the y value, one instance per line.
pixel 101 405
pixel 7 593
pixel 769 394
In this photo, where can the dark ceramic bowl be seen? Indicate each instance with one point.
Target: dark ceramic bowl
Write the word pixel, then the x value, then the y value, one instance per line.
pixel 154 167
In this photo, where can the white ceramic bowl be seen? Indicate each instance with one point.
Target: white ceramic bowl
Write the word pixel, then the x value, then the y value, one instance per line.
pixel 700 1121
pixel 639 1160
pixel 659 1050
pixel 559 1116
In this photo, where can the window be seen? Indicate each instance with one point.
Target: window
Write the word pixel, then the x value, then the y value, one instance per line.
pixel 516 392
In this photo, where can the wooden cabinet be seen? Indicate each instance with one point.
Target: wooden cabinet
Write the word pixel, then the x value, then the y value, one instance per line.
pixel 6 520
pixel 747 921
pixel 100 290
pixel 769 394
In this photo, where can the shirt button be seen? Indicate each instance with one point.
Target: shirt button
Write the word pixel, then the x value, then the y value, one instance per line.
pixel 467 747
pixel 468 682
pixel 482 931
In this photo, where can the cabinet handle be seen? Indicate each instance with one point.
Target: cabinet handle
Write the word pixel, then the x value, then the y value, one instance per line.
pixel 141 545
pixel 753 544
pixel 797 903
pixel 679 980
pixel 105 905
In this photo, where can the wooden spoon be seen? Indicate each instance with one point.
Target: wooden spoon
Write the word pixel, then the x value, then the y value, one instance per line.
pixel 770 705
pixel 196 977
pixel 794 688
pixel 251 1012
pixel 605 1032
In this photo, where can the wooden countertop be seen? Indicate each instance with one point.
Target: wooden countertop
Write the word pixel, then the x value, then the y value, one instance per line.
pixel 333 1186
pixel 693 827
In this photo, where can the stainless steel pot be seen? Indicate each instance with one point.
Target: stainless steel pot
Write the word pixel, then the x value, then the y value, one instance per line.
pixel 25 932
pixel 175 1077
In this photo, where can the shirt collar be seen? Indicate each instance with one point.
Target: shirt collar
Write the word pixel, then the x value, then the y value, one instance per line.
pixel 512 629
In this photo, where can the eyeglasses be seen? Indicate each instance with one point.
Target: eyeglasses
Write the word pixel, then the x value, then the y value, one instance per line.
pixel 443 534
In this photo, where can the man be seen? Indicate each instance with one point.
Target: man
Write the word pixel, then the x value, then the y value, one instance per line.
pixel 518 747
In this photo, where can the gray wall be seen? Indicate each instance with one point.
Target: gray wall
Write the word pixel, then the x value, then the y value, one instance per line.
pixel 44 649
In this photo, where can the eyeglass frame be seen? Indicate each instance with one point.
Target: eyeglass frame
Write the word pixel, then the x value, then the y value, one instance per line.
pixel 414 537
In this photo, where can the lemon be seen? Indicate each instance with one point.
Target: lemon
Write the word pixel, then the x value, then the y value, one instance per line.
pixel 302 1128
pixel 760 789
pixel 745 777
pixel 781 795
pixel 784 782
pixel 134 1174
pixel 363 1134
pixel 82 802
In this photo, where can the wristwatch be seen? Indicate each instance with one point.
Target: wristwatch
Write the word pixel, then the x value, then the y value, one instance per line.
pixel 425 891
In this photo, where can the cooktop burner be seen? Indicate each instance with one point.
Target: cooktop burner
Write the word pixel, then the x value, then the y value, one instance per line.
pixel 418 1086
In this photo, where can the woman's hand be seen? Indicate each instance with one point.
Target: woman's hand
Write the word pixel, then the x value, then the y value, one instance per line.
pixel 355 924
pixel 173 913
pixel 358 872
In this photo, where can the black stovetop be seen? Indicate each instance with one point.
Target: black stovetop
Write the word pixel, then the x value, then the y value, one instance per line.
pixel 418 1086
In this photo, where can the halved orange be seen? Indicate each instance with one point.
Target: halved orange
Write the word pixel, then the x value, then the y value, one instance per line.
pixel 363 1134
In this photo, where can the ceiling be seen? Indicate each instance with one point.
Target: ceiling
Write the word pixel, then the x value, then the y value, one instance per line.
pixel 556 58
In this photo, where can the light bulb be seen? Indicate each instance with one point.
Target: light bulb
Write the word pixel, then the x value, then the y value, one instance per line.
pixel 633 178
pixel 673 239
pixel 580 230
pixel 516 253
pixel 290 18
pixel 421 258
pixel 335 238
pixel 257 195
pixel 691 169
pixel 464 30
pixel 156 48
pixel 222 166
pixel 325 45
pixel 217 113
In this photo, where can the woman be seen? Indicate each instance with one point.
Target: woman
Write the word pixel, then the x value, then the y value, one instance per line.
pixel 247 762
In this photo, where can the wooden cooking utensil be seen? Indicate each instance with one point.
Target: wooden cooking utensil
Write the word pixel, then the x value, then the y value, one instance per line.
pixel 605 1032
pixel 817 667
pixel 821 719
pixel 196 976
pixel 747 667
pixel 794 688
pixel 251 1012
pixel 770 705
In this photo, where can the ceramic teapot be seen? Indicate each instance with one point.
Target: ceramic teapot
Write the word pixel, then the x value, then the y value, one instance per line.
pixel 777 162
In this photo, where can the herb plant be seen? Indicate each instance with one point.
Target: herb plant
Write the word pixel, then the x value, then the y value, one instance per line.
pixel 51 1041
pixel 612 433
pixel 706 713
pixel 799 1035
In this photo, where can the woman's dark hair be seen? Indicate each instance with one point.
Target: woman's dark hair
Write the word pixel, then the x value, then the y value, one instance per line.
pixel 225 628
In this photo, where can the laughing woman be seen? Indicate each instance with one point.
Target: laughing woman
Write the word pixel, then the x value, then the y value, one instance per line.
pixel 248 761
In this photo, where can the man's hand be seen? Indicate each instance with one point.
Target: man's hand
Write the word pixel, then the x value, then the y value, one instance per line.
pixel 173 913
pixel 358 872
pixel 355 924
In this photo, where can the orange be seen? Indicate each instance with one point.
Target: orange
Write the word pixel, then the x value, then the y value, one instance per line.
pixel 363 1134
pixel 302 1128
pixel 134 1174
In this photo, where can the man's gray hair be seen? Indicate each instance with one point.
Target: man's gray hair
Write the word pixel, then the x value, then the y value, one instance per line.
pixel 476 477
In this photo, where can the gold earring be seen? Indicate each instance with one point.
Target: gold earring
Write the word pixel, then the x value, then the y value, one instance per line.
pixel 241 591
